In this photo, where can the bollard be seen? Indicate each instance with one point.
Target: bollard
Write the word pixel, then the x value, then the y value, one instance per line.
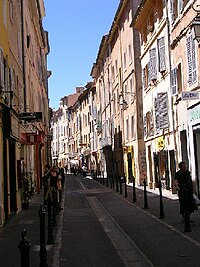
pixel 50 239
pixel 103 178
pixel 54 206
pixel 134 193
pixel 161 201
pixel 107 181
pixel 125 188
pixel 43 251
pixel 187 227
pixel 120 185
pixel 24 247
pixel 145 195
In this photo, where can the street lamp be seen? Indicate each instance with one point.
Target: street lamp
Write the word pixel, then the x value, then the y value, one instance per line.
pixel 195 25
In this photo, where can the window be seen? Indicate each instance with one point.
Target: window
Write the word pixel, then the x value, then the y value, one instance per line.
pixel 127 130
pixel 132 126
pixel 179 78
pixel 153 64
pixel 161 54
pixel 130 53
pixel 125 60
pixel 161 111
pixel 145 76
pixel 191 57
pixel 174 90
pixel 116 67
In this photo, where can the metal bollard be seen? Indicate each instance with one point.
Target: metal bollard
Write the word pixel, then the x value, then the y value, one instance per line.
pixel 161 201
pixel 134 193
pixel 43 251
pixel 54 206
pixel 24 247
pixel 125 187
pixel 187 227
pixel 103 178
pixel 145 195
pixel 120 185
pixel 50 239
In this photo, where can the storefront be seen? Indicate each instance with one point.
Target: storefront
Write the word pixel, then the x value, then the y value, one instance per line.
pixel 194 145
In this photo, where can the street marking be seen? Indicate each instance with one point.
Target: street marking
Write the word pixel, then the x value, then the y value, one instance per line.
pixel 124 245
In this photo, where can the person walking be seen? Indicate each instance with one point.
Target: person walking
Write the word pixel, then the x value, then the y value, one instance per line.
pixel 183 184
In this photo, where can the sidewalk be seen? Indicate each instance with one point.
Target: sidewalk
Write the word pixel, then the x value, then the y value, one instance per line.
pixel 10 236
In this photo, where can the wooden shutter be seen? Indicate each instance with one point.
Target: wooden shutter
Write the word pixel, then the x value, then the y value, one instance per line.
pixel 191 56
pixel 163 106
pixel 174 89
pixel 161 111
pixel 145 125
pixel 151 124
pixel 1 68
pixel 157 118
pixel 144 78
pixel 161 53
pixel 153 64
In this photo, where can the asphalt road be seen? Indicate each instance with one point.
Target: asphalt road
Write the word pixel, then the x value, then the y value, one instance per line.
pixel 99 227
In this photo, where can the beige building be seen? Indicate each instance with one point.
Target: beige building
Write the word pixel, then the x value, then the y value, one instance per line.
pixel 117 75
pixel 169 69
pixel 185 88
pixel 24 119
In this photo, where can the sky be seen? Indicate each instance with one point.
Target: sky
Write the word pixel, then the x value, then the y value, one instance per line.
pixel 75 31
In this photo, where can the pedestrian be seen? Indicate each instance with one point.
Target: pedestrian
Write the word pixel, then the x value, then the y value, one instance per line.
pixel 84 170
pixel 46 180
pixel 183 184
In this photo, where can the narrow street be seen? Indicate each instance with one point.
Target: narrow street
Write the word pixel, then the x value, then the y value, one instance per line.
pixel 100 227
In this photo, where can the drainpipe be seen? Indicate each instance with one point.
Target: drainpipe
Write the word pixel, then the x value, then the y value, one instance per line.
pixel 170 67
pixel 23 53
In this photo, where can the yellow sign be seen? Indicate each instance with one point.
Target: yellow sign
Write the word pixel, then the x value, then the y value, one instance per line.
pixel 160 143
pixel 127 149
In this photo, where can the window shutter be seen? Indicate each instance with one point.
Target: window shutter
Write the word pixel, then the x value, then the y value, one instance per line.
pixel 151 128
pixel 163 106
pixel 161 111
pixel 192 65
pixel 144 78
pixel 180 6
pixel 145 125
pixel 161 53
pixel 157 121
pixel 1 68
pixel 172 10
pixel 153 64
pixel 174 87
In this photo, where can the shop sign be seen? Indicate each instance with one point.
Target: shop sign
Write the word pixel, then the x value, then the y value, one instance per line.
pixel 160 143
pixel 127 149
pixel 31 139
pixel 190 95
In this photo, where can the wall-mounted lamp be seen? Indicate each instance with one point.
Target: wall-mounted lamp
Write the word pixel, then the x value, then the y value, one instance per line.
pixel 195 25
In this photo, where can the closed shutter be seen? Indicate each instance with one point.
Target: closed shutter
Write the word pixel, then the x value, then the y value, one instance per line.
pixel 144 78
pixel 163 106
pixel 174 89
pixel 180 6
pixel 145 125
pixel 151 124
pixel 161 111
pixel 1 68
pixel 153 64
pixel 191 56
pixel 157 113
pixel 161 53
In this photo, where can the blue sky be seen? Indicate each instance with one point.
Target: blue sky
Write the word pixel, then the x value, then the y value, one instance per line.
pixel 75 30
